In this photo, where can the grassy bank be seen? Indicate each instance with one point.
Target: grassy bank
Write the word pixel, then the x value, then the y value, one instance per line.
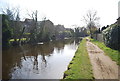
pixel 80 66
pixel 113 54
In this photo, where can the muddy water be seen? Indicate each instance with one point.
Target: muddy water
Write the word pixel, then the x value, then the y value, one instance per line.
pixel 42 61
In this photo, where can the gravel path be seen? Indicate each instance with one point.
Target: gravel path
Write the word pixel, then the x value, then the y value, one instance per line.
pixel 103 66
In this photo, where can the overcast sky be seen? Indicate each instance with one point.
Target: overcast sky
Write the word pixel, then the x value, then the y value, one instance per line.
pixel 67 12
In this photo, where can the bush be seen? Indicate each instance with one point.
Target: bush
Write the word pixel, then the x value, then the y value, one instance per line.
pixel 111 35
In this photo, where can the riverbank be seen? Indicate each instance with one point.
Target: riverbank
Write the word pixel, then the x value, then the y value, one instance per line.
pixel 113 54
pixel 80 66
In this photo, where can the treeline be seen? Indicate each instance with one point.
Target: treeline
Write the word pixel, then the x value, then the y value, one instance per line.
pixel 15 31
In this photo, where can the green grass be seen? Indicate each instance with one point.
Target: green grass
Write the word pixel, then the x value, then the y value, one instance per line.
pixel 80 66
pixel 22 39
pixel 113 54
pixel 27 33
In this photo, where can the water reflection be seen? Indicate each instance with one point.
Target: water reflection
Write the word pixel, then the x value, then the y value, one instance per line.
pixel 48 60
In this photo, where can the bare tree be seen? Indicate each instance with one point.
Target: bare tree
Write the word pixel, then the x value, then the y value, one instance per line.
pixel 92 21
pixel 34 26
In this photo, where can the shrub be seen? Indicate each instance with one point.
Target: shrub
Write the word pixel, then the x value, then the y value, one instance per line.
pixel 111 36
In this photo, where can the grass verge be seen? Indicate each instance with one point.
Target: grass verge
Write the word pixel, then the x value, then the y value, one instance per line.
pixel 113 54
pixel 80 66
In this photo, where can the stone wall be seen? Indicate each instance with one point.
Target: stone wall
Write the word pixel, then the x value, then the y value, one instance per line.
pixel 98 37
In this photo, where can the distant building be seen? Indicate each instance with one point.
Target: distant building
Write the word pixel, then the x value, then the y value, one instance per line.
pixel 28 23
pixel 28 20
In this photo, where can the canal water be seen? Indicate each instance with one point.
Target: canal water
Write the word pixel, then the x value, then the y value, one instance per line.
pixel 42 61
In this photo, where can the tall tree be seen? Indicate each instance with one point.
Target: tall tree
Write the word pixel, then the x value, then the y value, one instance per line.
pixel 92 21
pixel 15 23
pixel 47 30
pixel 34 26
pixel 6 33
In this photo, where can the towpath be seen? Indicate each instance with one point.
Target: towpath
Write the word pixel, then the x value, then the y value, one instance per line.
pixel 103 67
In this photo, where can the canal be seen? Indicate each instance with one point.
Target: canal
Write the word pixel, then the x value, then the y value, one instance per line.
pixel 42 61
